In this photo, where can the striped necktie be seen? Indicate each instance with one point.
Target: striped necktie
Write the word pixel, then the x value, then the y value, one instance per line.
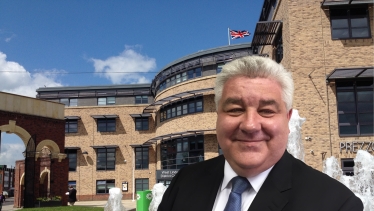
pixel 239 185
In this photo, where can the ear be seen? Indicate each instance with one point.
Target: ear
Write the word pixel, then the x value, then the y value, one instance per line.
pixel 289 114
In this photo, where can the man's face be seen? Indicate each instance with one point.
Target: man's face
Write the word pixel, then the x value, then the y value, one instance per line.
pixel 252 124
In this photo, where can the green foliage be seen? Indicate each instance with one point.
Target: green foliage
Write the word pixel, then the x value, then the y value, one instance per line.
pixel 53 198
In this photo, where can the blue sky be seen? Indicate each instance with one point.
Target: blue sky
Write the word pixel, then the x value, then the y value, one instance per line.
pixel 92 42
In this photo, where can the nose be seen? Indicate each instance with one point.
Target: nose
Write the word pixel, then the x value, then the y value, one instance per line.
pixel 250 122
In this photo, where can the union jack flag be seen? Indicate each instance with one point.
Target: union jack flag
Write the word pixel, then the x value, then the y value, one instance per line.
pixel 235 34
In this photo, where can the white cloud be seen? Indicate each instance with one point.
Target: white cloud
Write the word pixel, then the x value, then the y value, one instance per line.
pixel 131 65
pixel 17 80
pixel 8 39
pixel 11 149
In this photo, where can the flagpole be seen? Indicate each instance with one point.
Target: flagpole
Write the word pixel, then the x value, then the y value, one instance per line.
pixel 228 34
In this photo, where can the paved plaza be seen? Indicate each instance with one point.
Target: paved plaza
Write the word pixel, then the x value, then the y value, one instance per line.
pixel 128 204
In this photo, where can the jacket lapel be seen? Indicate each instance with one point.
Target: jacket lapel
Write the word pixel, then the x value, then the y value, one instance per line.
pixel 275 191
pixel 211 182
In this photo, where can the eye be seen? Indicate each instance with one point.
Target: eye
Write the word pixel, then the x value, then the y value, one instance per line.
pixel 267 112
pixel 235 111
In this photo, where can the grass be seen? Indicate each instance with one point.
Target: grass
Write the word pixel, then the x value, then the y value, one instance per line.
pixel 65 208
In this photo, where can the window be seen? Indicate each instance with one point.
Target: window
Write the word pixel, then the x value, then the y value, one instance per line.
pixel 141 123
pixel 187 106
pixel 71 126
pixel 106 125
pixel 355 107
pixel 141 99
pixel 106 159
pixel 72 183
pixel 141 157
pixel 72 156
pixel 347 166
pixel 103 186
pixel 349 23
pixel 219 68
pixel 69 102
pixel 106 101
pixel 177 153
pixel 141 184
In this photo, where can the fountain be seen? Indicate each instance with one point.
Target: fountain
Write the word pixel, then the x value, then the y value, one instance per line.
pixel 295 145
pixel 114 201
pixel 362 183
pixel 157 193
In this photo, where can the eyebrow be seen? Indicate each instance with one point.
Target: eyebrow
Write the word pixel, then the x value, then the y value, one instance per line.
pixel 238 101
pixel 269 103
pixel 230 100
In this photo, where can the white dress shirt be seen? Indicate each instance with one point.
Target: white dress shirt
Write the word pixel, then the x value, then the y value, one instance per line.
pixel 247 196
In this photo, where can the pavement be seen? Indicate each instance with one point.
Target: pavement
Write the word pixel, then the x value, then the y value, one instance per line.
pixel 128 204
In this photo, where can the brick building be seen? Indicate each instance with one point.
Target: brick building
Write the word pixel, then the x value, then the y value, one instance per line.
pixel 132 136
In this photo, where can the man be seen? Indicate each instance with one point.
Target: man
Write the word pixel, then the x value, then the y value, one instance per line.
pixel 72 195
pixel 253 97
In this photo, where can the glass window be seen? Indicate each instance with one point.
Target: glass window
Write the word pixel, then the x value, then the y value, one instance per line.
pixel 141 184
pixel 355 107
pixel 103 186
pixel 177 153
pixel 106 125
pixel 198 72
pixel 73 102
pixel 111 100
pixel 72 156
pixel 347 166
pixel 65 101
pixel 184 76
pixel 101 101
pixel 72 183
pixel 141 157
pixel 71 126
pixel 349 23
pixel 106 159
pixel 141 99
pixel 219 68
pixel 141 123
pixel 178 78
pixel 187 106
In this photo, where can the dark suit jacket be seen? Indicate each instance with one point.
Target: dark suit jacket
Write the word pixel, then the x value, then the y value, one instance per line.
pixel 290 186
pixel 72 195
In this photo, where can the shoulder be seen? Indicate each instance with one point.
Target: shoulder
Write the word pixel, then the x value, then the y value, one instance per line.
pixel 202 168
pixel 314 181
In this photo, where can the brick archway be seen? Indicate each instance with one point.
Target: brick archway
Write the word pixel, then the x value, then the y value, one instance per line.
pixel 43 122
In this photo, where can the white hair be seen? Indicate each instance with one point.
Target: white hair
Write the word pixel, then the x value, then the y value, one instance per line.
pixel 256 67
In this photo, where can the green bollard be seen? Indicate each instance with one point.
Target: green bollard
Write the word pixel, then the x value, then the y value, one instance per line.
pixel 143 200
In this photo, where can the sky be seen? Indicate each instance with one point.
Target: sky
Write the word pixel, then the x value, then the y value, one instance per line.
pixel 90 42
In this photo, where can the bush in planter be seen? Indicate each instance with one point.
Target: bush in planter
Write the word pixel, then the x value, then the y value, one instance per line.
pixel 53 201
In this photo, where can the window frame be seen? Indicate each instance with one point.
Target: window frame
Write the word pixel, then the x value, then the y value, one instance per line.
pixel 106 190
pixel 142 182
pixel 349 19
pixel 68 102
pixel 347 171
pixel 179 152
pixel 143 162
pixel 105 158
pixel 71 122
pixel 141 99
pixel 106 121
pixel 144 123
pixel 187 106
pixel 73 162
pixel 106 101
pixel 341 87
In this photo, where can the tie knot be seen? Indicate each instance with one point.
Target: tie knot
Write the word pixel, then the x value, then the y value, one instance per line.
pixel 239 184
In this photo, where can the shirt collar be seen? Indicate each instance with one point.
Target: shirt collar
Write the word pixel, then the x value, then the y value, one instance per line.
pixel 256 181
